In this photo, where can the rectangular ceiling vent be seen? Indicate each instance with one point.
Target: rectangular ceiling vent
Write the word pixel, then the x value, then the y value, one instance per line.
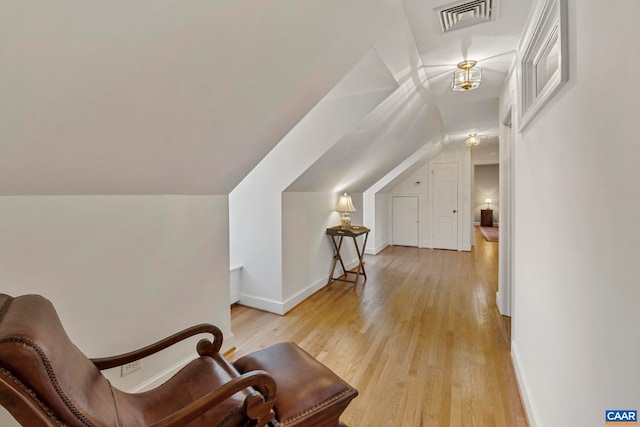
pixel 463 14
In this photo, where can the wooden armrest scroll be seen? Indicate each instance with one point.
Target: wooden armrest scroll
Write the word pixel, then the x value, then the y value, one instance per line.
pixel 208 347
pixel 257 406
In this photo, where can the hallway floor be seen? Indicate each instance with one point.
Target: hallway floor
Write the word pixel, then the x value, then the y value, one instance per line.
pixel 422 340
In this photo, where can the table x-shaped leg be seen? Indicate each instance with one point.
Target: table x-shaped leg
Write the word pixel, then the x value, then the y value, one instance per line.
pixel 338 258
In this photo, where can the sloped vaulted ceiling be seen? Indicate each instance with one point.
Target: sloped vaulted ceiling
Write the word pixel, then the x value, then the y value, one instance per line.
pixel 423 110
pixel 156 97
pixel 170 97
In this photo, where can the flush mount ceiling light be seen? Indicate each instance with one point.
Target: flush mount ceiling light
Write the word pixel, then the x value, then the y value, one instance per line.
pixel 473 140
pixel 466 77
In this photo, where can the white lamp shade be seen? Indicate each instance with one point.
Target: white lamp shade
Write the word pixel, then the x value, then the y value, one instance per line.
pixel 487 200
pixel 345 204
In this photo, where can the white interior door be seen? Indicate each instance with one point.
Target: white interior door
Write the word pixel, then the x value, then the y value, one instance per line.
pixel 405 220
pixel 445 205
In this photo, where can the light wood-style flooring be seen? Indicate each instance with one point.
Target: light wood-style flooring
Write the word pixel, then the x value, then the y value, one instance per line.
pixel 422 340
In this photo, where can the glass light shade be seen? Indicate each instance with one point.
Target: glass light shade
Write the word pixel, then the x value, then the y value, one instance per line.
pixel 466 77
pixel 473 140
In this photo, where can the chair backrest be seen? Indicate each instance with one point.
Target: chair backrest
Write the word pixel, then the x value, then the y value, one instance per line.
pixel 43 373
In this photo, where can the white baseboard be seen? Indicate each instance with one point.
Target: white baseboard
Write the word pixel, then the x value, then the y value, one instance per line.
pixel 529 407
pixel 375 250
pixel 305 293
pixel 282 307
pixel 228 343
pixel 163 376
pixel 261 303
pixel 234 284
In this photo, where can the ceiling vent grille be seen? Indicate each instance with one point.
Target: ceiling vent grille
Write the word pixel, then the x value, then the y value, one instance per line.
pixel 463 14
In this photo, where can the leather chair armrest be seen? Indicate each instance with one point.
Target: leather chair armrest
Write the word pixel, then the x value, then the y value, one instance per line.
pixel 204 346
pixel 256 406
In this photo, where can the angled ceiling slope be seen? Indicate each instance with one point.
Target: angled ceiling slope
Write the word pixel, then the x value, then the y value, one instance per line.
pixel 151 97
pixel 398 127
pixel 359 92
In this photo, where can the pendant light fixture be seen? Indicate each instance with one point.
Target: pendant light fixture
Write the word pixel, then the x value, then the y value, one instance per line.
pixel 466 77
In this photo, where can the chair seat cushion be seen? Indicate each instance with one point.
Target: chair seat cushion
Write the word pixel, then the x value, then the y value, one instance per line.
pixel 309 393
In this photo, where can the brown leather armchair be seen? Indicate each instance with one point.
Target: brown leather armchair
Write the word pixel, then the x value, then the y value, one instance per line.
pixel 45 380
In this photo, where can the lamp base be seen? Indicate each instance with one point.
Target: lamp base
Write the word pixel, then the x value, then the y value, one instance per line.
pixel 345 220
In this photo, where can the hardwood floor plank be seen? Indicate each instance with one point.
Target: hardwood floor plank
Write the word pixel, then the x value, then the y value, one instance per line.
pixel 422 340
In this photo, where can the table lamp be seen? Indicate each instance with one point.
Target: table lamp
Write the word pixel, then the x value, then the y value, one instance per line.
pixel 488 202
pixel 345 205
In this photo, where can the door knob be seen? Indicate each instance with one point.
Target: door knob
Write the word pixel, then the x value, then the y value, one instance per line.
pixel 454 211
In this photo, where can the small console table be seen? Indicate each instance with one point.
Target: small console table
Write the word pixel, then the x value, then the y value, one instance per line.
pixel 336 234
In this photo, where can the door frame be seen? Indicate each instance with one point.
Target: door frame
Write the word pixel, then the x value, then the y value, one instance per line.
pixel 505 294
pixel 473 188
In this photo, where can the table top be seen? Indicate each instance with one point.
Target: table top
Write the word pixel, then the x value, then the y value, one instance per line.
pixel 352 231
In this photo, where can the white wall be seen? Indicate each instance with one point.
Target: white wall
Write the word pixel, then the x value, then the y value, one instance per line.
pixel 307 252
pixel 377 201
pixel 576 319
pixel 122 271
pixel 256 222
pixel 256 204
pixel 407 186
pixel 382 221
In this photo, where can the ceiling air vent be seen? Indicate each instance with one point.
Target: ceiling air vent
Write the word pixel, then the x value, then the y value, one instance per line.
pixel 463 14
